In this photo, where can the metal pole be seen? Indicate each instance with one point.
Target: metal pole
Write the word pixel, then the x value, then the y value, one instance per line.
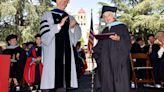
pixel 93 73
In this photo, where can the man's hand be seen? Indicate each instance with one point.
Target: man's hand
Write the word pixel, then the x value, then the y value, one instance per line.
pixel 63 21
pixel 17 56
pixel 162 44
pixel 37 60
pixel 115 37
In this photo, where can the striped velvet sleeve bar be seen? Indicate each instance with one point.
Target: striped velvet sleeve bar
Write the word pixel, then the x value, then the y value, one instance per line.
pixel 45 32
pixel 43 22
pixel 44 28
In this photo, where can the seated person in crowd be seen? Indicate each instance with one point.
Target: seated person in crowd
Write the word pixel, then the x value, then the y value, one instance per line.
pixel 148 47
pixel 132 38
pixel 139 46
pixel 157 57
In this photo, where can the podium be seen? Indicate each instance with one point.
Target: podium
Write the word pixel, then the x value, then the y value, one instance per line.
pixel 4 72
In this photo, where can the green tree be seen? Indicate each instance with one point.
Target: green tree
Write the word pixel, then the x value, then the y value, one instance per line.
pixel 21 17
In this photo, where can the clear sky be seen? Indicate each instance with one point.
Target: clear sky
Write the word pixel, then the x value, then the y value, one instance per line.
pixel 75 5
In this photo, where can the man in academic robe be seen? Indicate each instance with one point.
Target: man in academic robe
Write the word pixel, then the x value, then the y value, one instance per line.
pixel 33 67
pixel 18 59
pixel 112 55
pixel 59 34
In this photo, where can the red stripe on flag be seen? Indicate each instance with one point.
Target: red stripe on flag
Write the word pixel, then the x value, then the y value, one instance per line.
pixel 91 36
pixel 90 41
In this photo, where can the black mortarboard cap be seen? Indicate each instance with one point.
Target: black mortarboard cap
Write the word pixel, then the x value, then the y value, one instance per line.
pixel 37 35
pixel 54 0
pixel 9 37
pixel 108 8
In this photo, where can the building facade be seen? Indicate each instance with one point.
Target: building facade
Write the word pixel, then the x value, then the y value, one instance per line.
pixel 82 20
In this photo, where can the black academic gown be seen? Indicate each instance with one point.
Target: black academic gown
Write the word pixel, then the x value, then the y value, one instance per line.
pixel 60 42
pixel 37 50
pixel 158 63
pixel 62 73
pixel 37 70
pixel 112 61
pixel 17 68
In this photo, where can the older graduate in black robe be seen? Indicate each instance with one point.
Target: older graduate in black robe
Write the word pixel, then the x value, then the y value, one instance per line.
pixel 112 55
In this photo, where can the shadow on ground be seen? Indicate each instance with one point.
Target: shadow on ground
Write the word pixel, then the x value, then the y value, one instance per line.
pixel 85 86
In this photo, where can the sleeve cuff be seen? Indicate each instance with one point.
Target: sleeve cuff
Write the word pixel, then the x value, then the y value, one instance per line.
pixel 72 30
pixel 160 52
pixel 58 26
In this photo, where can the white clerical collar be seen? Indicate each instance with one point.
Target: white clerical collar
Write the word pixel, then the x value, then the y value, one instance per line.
pixel 160 52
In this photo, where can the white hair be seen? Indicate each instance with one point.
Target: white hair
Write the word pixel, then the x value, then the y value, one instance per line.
pixel 114 15
pixel 159 34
